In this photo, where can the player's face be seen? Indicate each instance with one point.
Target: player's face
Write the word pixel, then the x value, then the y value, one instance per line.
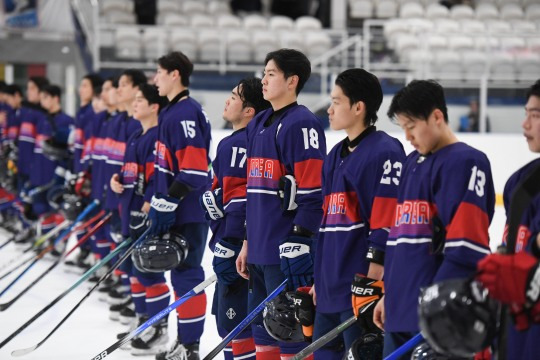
pixel 164 81
pixel 126 91
pixel 85 91
pixel 340 112
pixel 531 124
pixel 45 100
pixel 32 92
pixel 423 135
pixel 274 82
pixel 233 107
pixel 141 108
pixel 14 100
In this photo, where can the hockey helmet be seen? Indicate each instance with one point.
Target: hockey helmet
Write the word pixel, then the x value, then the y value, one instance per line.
pixel 54 150
pixel 426 352
pixel 160 253
pixel 457 317
pixel 72 206
pixel 280 321
pixel 367 346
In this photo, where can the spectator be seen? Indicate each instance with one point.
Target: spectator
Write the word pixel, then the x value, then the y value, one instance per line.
pixel 470 122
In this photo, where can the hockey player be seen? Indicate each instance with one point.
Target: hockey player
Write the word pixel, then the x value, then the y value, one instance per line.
pixel 225 206
pixel 359 186
pixel 515 279
pixel 55 129
pixel 286 144
pixel 444 184
pixel 181 174
pixel 135 186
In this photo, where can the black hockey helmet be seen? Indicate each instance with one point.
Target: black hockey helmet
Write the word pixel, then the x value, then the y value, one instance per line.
pixel 55 151
pixel 457 317
pixel 367 346
pixel 160 253
pixel 55 196
pixel 72 206
pixel 426 352
pixel 279 319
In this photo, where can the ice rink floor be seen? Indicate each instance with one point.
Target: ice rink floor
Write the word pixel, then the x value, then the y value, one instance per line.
pixel 89 330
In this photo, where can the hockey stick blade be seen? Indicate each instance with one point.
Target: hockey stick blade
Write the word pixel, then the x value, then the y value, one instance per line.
pixel 325 339
pixel 244 323
pixel 196 290
pixel 77 245
pixel 128 252
pixel 399 352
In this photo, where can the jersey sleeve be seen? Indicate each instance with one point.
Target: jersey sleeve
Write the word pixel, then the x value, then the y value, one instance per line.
pixel 149 173
pixel 303 149
pixel 387 173
pixel 465 199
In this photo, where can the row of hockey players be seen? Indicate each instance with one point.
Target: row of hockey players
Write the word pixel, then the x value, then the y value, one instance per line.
pixel 359 213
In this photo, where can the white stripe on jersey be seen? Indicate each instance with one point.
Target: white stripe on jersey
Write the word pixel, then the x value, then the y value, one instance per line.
pixel 308 191
pixel 159 168
pixel 27 139
pixel 161 297
pixel 261 191
pixel 408 241
pixel 195 172
pixel 467 244
pixel 341 228
pixel 186 321
pixel 114 162
pixel 234 201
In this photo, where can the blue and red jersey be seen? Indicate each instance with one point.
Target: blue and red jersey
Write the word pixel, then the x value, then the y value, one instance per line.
pixel 182 155
pixel 523 344
pixel 82 130
pixel 230 175
pixel 137 174
pixel 293 144
pixel 360 195
pixel 48 127
pixel 28 120
pixel 445 204
pixel 119 129
pixel 97 152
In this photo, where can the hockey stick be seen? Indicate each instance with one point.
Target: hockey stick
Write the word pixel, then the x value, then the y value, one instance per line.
pixel 196 290
pixel 63 236
pixel 244 323
pixel 521 198
pixel 7 204
pixel 63 225
pixel 325 339
pixel 81 241
pixel 400 351
pixel 128 252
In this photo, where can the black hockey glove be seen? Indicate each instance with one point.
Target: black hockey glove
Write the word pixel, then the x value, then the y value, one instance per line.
pixel 304 311
pixel 366 293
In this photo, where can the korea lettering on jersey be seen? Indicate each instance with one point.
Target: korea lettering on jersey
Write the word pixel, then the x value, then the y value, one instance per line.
pixel 183 155
pixel 230 175
pixel 295 145
pixel 358 210
pixel 452 191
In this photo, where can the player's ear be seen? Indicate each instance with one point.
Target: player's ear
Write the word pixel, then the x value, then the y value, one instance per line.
pixel 359 107
pixel 249 111
pixel 292 81
pixel 438 116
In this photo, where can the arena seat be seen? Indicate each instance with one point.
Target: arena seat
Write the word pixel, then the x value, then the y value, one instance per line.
pixel 216 7
pixel 154 41
pixel 255 21
pixel 307 23
pixel 436 11
pixel 385 9
pixel 238 46
pixel 185 41
pixel 486 11
pixel 361 9
pixel 264 41
pixel 411 10
pixel 208 43
pixel 279 22
pixel 512 12
pixel 190 7
pixel 228 21
pixel 128 42
pixel 460 12
pixel 317 43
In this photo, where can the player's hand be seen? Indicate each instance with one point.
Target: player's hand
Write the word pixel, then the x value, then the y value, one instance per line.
pixel 379 316
pixel 212 204
pixel 366 293
pixel 304 311
pixel 116 185
pixel 511 278
pixel 224 262
pixel 241 261
pixel 313 294
pixel 146 207
pixel 162 213
pixel 296 261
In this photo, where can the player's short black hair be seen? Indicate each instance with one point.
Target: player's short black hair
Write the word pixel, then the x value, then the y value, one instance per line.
pixel 13 89
pixel 151 94
pixel 39 81
pixel 418 99
pixel 96 81
pixel 534 90
pixel 177 60
pixel 360 85
pixel 3 86
pixel 291 62
pixel 52 90
pixel 136 77
pixel 250 92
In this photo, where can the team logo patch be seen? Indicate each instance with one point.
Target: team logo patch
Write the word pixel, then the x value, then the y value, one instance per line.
pixel 230 313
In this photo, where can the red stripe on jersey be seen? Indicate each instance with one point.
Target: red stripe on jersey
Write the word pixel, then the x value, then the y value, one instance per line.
pixel 163 153
pixel 233 187
pixel 308 173
pixel 156 290
pixel 28 129
pixel 5 195
pixel 193 308
pixel 382 212
pixel 243 346
pixel 149 171
pixel 469 222
pixel 137 287
pixel 192 158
